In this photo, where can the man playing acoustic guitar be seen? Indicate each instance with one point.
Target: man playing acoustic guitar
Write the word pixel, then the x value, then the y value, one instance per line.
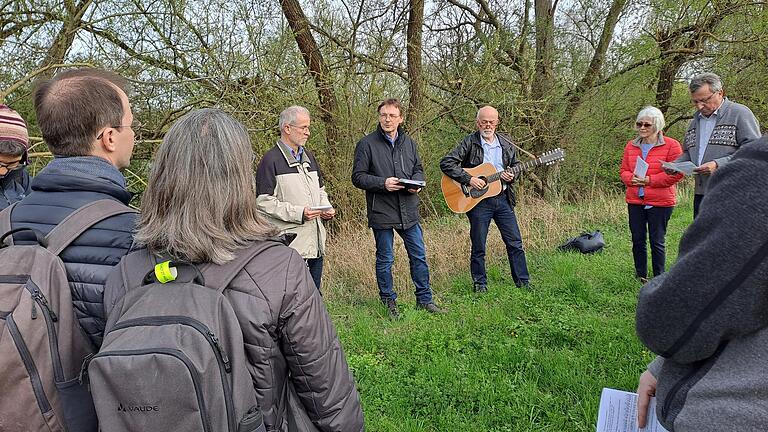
pixel 483 146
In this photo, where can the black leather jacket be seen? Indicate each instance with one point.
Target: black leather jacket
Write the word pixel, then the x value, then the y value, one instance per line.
pixel 469 154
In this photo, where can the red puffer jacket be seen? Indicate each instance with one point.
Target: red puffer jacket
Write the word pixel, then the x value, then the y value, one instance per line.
pixel 660 192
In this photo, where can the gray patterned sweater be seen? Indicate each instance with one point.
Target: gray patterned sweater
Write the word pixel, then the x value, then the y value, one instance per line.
pixel 736 126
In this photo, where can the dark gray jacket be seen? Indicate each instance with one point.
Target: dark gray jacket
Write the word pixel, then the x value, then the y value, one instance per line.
pixel 14 187
pixel 376 160
pixel 708 316
pixel 290 342
pixel 89 259
pixel 469 154
pixel 736 126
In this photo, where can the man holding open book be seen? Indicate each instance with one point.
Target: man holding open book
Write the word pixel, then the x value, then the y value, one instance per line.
pixel 388 168
pixel 483 146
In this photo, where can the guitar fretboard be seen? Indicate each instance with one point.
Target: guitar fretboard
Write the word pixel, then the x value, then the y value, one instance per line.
pixel 517 169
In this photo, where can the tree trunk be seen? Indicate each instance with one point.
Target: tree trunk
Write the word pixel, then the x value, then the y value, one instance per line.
pixel 329 106
pixel 543 85
pixel 61 44
pixel 415 80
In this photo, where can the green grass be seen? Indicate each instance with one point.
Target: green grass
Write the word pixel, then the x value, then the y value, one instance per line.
pixel 510 360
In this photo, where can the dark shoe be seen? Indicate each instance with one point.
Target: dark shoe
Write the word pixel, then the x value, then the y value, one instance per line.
pixel 394 312
pixel 526 285
pixel 481 289
pixel 430 307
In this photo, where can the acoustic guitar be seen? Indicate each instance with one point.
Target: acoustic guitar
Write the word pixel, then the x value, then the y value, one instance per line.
pixel 463 198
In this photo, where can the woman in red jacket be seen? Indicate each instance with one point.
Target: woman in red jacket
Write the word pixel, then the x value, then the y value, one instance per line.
pixel 650 197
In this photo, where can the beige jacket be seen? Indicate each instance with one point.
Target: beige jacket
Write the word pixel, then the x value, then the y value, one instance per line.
pixel 284 187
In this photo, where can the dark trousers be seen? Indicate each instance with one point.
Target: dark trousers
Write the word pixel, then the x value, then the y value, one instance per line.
pixel 413 238
pixel 498 209
pixel 652 221
pixel 696 204
pixel 315 266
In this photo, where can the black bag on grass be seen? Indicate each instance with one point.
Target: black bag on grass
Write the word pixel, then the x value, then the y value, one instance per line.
pixel 585 243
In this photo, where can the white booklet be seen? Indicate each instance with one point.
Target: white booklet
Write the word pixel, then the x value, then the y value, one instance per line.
pixel 618 413
pixel 641 167
pixel 686 167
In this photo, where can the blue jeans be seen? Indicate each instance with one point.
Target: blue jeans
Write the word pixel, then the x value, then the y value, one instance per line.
pixel 655 219
pixel 315 266
pixel 413 238
pixel 498 209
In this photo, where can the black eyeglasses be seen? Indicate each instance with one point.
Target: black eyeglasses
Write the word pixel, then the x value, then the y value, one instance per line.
pixel 642 125
pixel 135 124
pixel 13 166
pixel 703 101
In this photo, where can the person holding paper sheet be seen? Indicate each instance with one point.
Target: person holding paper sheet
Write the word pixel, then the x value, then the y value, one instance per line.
pixel 716 131
pixel 650 191
pixel 706 317
pixel 290 190
pixel 382 158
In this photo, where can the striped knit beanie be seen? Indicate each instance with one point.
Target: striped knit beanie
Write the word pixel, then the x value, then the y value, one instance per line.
pixel 13 128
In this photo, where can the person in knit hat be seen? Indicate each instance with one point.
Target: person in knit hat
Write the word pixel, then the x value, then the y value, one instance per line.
pixel 14 142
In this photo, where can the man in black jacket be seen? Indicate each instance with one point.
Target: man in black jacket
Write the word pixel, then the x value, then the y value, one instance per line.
pixel 382 158
pixel 483 146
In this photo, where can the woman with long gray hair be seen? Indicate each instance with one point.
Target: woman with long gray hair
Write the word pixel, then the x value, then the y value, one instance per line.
pixel 200 207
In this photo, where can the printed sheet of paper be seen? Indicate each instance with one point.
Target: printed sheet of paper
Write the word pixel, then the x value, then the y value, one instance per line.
pixel 641 167
pixel 618 413
pixel 686 167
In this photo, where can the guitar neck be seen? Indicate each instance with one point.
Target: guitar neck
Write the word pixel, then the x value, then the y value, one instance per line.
pixel 517 169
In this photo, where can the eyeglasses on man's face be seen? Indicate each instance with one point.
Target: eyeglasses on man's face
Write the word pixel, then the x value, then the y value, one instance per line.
pixel 487 122
pixel 388 116
pixel 301 128
pixel 135 125
pixel 703 101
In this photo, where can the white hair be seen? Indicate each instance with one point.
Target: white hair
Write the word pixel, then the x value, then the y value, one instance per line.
pixel 290 114
pixel 714 81
pixel 653 113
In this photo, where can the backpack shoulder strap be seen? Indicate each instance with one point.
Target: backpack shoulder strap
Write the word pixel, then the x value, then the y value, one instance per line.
pixel 81 219
pixel 219 277
pixel 5 222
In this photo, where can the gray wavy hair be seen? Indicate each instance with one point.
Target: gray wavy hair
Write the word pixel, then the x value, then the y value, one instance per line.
pixel 200 202
pixel 714 81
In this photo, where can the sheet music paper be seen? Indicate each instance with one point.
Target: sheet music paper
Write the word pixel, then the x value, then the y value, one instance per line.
pixel 618 413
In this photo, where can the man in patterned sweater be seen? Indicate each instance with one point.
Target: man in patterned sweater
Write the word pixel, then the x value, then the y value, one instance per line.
pixel 716 131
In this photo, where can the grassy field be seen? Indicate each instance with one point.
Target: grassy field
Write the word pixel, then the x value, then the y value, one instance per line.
pixel 510 360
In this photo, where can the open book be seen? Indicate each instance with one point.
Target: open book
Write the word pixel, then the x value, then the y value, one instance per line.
pixel 618 413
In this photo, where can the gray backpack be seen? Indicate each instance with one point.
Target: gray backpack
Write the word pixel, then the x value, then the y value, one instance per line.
pixel 41 344
pixel 173 357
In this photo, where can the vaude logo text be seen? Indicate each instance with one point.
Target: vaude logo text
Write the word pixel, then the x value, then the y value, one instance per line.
pixel 137 408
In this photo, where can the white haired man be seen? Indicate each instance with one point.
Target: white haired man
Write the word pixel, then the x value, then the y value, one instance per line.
pixel 290 190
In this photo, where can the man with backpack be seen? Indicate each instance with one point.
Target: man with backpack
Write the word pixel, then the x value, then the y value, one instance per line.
pixel 86 121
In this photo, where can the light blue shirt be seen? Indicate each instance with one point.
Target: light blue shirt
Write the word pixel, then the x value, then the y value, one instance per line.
pixel 492 153
pixel 296 154
pixel 644 148
pixel 706 126
pixel 390 139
